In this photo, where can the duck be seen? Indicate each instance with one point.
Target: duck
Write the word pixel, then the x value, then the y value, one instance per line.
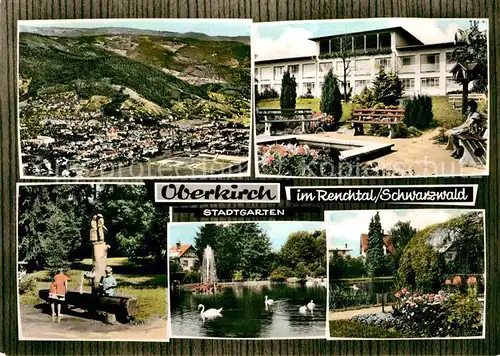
pixel 268 301
pixel 210 313
pixel 311 305
pixel 303 309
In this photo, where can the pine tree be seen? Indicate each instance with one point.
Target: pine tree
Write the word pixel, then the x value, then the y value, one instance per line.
pixel 375 253
pixel 288 91
pixel 330 97
pixel 387 88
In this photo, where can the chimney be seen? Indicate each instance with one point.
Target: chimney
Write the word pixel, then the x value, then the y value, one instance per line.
pixel 178 245
pixel 346 246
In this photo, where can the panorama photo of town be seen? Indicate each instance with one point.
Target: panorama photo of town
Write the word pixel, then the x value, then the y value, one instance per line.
pixel 134 98
pixel 371 97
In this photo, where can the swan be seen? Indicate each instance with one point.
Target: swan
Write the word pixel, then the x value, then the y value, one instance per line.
pixel 311 305
pixel 303 309
pixel 355 287
pixel 210 313
pixel 268 301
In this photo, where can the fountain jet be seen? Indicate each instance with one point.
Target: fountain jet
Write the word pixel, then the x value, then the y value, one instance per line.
pixel 208 268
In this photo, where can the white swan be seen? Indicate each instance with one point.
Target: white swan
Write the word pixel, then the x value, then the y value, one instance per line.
pixel 210 313
pixel 268 301
pixel 311 305
pixel 303 309
pixel 355 287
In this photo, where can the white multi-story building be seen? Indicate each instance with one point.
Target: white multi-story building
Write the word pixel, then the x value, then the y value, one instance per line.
pixel 422 68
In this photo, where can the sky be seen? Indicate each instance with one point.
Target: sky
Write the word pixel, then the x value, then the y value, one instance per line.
pixel 211 27
pixel 345 227
pixel 290 39
pixel 278 232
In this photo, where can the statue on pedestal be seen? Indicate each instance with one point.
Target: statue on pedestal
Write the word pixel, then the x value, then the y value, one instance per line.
pixel 93 229
pixel 100 228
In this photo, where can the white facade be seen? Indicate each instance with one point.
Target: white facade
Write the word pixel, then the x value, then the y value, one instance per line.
pixel 422 69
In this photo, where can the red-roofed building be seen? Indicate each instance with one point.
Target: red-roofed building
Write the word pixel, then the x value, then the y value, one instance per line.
pixel 388 245
pixel 186 255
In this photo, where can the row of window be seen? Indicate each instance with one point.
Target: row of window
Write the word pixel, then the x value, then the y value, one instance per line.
pixel 364 43
pixel 428 63
pixel 359 85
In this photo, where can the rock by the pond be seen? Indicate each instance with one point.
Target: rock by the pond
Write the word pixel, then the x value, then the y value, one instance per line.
pixel 379 319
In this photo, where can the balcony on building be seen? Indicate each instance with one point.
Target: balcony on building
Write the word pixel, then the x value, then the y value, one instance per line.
pixel 429 63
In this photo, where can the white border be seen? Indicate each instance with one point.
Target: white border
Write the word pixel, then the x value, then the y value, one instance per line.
pixel 327 213
pixel 298 22
pixel 475 188
pixel 19 322
pixel 132 20
pixel 320 337
pixel 277 200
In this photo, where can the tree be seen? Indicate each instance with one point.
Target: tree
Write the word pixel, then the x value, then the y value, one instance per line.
pixel 375 252
pixel 288 91
pixel 473 47
pixel 345 54
pixel 387 88
pixel 401 234
pixel 330 97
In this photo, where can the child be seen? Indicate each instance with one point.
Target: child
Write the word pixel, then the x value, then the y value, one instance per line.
pixel 108 283
pixel 57 292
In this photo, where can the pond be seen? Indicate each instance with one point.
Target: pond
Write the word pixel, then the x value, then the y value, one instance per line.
pixel 353 293
pixel 244 313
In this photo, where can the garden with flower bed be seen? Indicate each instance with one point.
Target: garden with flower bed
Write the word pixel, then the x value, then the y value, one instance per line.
pixel 434 284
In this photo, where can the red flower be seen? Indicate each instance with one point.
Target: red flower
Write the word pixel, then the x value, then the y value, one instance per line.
pixel 457 280
pixel 471 280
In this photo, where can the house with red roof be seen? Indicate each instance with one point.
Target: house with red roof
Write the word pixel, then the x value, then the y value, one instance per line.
pixel 186 255
pixel 388 245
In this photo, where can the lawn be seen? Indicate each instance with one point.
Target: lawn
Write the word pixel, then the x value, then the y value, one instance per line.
pixel 355 329
pixel 149 289
pixel 444 114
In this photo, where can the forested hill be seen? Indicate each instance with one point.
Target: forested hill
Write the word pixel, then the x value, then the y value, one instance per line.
pixel 163 70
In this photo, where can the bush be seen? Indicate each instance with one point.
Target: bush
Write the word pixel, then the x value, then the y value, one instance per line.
pixel 288 95
pixel 192 277
pixel 27 285
pixel 441 138
pixel 267 94
pixel 355 329
pixel 345 297
pixel 238 276
pixel 418 112
pixel 255 276
pixel 330 98
pixel 464 316
pixel 404 131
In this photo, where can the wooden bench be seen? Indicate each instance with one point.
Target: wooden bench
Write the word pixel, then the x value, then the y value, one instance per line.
pixel 456 99
pixel 390 117
pixel 475 150
pixel 270 116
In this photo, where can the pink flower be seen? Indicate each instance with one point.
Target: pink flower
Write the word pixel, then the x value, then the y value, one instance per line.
pixel 471 280
pixel 404 290
pixel 301 150
pixel 457 280
pixel 447 282
pixel 314 154
pixel 270 159
pixel 397 295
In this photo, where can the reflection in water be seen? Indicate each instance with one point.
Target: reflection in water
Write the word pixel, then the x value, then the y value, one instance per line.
pixel 245 313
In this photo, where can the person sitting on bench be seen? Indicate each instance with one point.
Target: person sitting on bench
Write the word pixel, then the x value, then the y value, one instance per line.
pixel 472 126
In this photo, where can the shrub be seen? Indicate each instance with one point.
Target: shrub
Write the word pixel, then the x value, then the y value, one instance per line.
pixel 288 95
pixel 404 131
pixel 330 98
pixel 192 277
pixel 355 329
pixel 238 276
pixel 441 138
pixel 345 297
pixel 27 285
pixel 464 316
pixel 418 112
pixel 255 276
pixel 267 94
pixel 387 89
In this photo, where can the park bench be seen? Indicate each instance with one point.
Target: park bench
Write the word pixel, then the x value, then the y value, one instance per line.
pixel 390 117
pixel 456 99
pixel 475 150
pixel 271 116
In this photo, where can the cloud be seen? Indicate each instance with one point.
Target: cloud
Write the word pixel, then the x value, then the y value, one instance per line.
pixel 346 227
pixel 294 42
pixel 427 30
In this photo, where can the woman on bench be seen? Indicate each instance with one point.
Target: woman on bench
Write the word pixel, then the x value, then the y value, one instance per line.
pixel 474 125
